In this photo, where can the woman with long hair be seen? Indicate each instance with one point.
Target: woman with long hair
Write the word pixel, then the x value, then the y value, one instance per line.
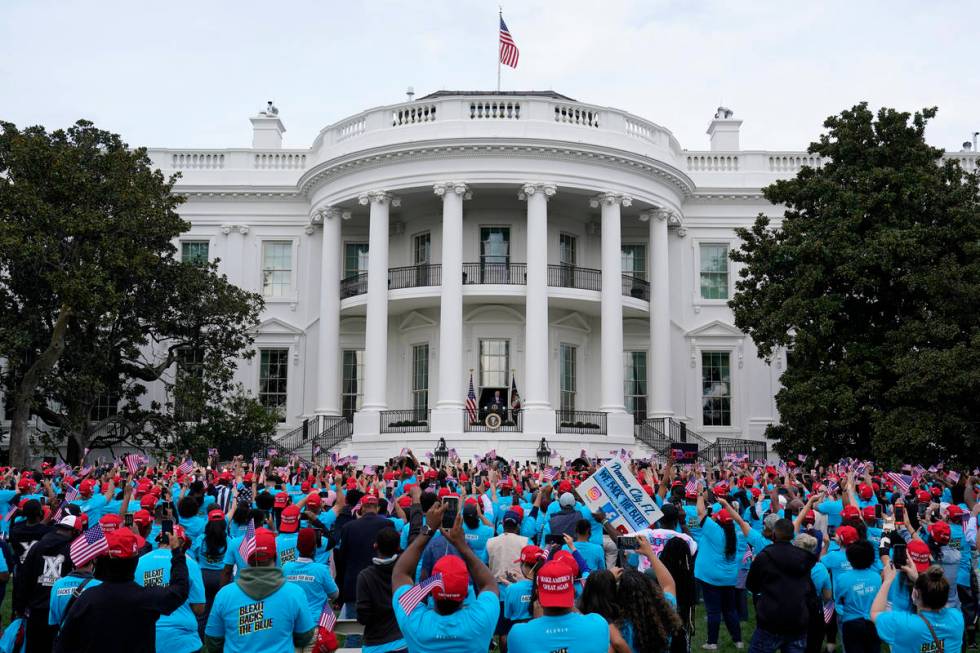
pixel 935 626
pixel 599 594
pixel 209 550
pixel 716 568
pixel 647 619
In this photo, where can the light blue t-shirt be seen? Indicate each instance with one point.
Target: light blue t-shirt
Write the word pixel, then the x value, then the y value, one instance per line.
pixel 907 633
pixel 94 507
pixel 517 600
pixel 315 581
pixel 477 539
pixel 198 551
pixel 286 548
pixel 593 554
pixel 854 591
pixel 710 565
pixel 263 625
pixel 569 633
pixel 194 526
pixel 176 632
pixel 832 509
pixel 821 579
pixel 232 557
pixel 468 630
pixel 61 593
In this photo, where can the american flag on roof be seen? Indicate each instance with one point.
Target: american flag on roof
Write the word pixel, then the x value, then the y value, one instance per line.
pixel 903 482
pixel 471 401
pixel 247 546
pixel 508 49
pixel 88 545
pixel 411 599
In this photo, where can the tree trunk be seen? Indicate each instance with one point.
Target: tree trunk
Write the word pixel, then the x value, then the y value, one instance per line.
pixel 73 451
pixel 24 394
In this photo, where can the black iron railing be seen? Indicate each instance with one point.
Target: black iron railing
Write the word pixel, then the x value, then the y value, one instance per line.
pixel 571 276
pixel 415 276
pixel 511 422
pixel 502 273
pixel 636 287
pixel 676 431
pixel 353 285
pixel 580 421
pixel 732 449
pixel 405 421
pixel 652 437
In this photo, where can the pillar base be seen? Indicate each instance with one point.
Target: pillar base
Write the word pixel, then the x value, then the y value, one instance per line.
pixel 538 421
pixel 447 422
pixel 367 424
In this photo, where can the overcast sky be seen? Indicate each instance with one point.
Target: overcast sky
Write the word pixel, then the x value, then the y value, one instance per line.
pixel 187 73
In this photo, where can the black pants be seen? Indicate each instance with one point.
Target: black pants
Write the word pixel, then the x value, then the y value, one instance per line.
pixel 40 636
pixel 815 632
pixel 860 636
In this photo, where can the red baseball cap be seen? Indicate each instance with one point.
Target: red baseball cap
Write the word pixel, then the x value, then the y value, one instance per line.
pixel 953 511
pixel 123 543
pixel 530 554
pixel 919 554
pixel 866 491
pixel 313 500
pixel 923 496
pixel 567 559
pixel 282 500
pixel 265 545
pixel 86 487
pixel 368 500
pixel 847 535
pixel 215 514
pixel 868 512
pixel 404 501
pixel 720 489
pixel 455 579
pixel 148 501
pixel 849 512
pixel 142 517
pixel 723 517
pixel 556 587
pixel 516 508
pixel 289 521
pixel 940 532
pixel 110 523
pixel 565 486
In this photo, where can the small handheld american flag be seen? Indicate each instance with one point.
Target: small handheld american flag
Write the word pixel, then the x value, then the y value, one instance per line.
pixel 186 467
pixel 133 462
pixel 549 474
pixel 411 599
pixel 692 485
pixel 70 496
pixel 828 611
pixel 247 547
pixel 88 545
pixel 903 482
pixel 327 618
pixel 10 513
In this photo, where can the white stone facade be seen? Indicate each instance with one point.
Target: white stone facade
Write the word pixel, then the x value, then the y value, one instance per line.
pixel 491 218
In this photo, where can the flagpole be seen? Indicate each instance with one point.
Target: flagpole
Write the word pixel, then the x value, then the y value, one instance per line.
pixel 500 16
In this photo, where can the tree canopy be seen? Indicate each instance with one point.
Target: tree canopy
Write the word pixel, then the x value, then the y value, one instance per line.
pixel 871 280
pixel 94 302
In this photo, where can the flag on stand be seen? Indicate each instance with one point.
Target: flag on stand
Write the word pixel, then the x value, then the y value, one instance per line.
pixel 471 401
pixel 88 545
pixel 411 599
pixel 133 462
pixel 508 49
pixel 515 398
pixel 903 482
pixel 247 547
pixel 327 618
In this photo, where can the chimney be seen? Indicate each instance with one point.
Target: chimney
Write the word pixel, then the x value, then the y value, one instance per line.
pixel 723 131
pixel 267 129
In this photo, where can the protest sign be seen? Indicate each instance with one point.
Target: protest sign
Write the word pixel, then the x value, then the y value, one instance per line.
pixel 615 491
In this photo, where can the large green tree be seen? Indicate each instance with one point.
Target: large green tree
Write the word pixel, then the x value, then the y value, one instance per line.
pixel 94 302
pixel 872 281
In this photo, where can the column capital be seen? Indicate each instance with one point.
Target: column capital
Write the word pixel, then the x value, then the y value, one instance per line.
pixel 323 213
pixel 545 189
pixel 461 188
pixel 379 197
pixel 610 199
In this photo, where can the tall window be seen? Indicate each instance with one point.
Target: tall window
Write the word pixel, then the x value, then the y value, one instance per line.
pixel 355 259
pixel 567 372
pixel 716 388
pixel 273 371
pixel 423 248
pixel 190 373
pixel 277 268
pixel 635 261
pixel 714 271
pixel 352 392
pixel 566 249
pixel 495 245
pixel 635 384
pixel 420 380
pixel 194 252
pixel 105 407
pixel 494 363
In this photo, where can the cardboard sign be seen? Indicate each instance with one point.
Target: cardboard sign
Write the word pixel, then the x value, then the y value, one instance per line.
pixel 684 452
pixel 615 491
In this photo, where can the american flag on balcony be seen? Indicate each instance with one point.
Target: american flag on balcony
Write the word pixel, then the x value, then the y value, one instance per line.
pixel 515 398
pixel 508 49
pixel 471 401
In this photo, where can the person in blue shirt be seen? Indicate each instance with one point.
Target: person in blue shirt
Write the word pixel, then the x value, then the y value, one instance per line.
pixel 477 533
pixel 560 628
pixel 831 507
pixel 516 596
pixel 260 612
pixel 935 626
pixel 313 577
pixel 716 567
pixel 67 587
pixel 593 553
pixel 854 592
pixel 178 631
pixel 456 621
pixel 209 550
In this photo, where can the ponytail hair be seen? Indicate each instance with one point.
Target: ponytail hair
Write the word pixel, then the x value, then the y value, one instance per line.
pixel 731 541
pixel 933 588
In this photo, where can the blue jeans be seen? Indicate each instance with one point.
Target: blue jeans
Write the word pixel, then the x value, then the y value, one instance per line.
pixel 720 603
pixel 765 642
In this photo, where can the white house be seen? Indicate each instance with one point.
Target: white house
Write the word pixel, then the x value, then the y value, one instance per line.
pixel 574 251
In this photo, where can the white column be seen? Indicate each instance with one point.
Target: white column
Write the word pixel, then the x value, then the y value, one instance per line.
pixel 447 417
pixel 658 356
pixel 535 395
pixel 611 345
pixel 328 347
pixel 376 331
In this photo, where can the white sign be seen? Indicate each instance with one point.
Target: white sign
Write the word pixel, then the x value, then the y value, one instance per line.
pixel 614 490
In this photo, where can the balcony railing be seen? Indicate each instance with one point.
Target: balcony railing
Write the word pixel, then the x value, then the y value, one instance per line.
pixel 580 421
pixel 405 421
pixel 513 422
pixel 571 276
pixel 636 287
pixel 502 273
pixel 354 285
pixel 415 276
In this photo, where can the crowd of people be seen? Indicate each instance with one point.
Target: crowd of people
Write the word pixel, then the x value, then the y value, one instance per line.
pixel 275 556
